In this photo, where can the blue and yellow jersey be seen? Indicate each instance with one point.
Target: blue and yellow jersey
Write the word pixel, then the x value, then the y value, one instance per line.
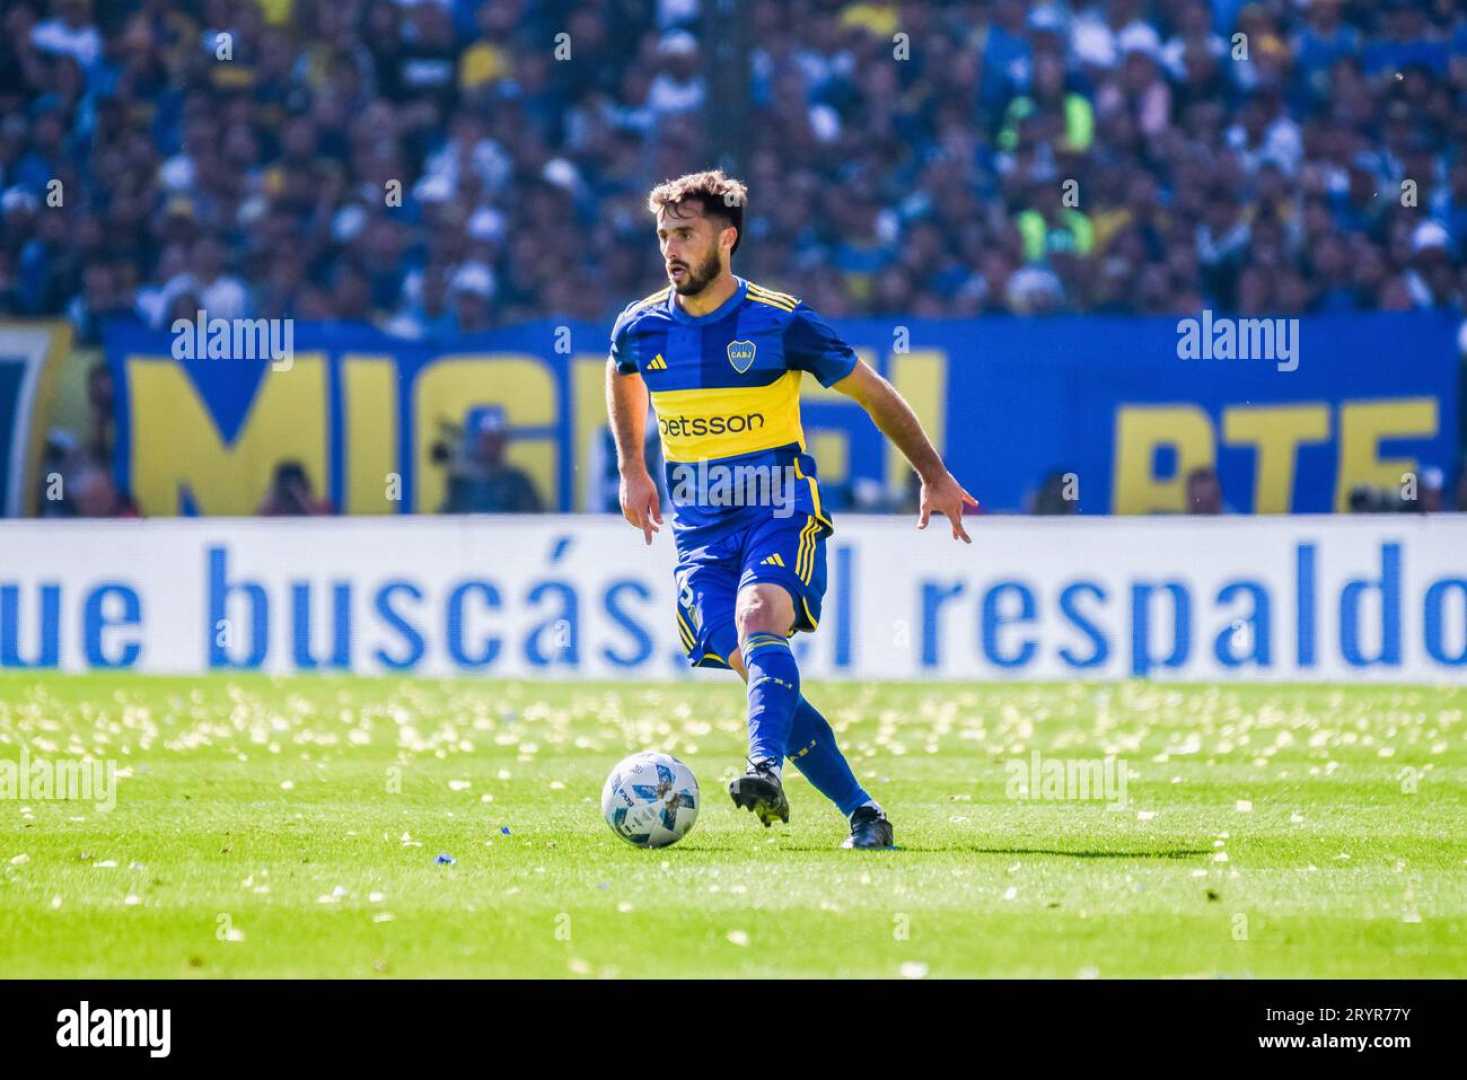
pixel 726 390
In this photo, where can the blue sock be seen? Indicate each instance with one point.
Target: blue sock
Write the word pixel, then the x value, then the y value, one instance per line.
pixel 774 691
pixel 814 751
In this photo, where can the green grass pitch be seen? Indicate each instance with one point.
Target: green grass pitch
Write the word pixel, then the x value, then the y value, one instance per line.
pixel 289 827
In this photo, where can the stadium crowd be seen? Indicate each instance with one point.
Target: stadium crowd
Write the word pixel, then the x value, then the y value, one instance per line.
pixel 1262 172
pixel 453 165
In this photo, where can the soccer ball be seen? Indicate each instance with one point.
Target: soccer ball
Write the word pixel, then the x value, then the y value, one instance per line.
pixel 650 799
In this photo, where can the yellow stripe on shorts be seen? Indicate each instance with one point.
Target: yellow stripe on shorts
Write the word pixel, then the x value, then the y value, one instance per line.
pixel 805 561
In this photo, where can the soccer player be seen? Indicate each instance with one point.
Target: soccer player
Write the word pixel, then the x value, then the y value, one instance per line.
pixel 721 359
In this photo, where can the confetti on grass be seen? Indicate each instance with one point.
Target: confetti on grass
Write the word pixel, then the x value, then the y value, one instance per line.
pixel 196 727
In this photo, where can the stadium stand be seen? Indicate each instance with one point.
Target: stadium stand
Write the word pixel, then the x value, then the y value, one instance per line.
pixel 433 166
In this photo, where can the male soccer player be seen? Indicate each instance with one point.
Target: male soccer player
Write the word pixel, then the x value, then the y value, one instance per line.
pixel 722 359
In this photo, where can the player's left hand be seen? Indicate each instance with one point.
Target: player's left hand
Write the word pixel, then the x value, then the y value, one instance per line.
pixel 946 496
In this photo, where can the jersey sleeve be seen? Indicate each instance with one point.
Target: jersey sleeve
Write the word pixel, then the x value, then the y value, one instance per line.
pixel 622 354
pixel 811 345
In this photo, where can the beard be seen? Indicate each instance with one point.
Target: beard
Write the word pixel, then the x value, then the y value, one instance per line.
pixel 698 277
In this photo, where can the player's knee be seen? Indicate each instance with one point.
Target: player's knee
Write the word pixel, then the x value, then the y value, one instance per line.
pixel 760 613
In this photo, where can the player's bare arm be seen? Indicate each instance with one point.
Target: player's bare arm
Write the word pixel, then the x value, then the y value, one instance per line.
pixel 626 404
pixel 941 491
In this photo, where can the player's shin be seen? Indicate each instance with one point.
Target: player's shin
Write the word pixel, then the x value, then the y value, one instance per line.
pixel 813 749
pixel 774 693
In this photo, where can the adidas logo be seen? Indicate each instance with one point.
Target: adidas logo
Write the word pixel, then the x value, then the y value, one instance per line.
pixel 772 560
pixel 657 364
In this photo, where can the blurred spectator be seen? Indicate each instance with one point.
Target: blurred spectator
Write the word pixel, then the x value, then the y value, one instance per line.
pixel 1433 490
pixel 483 482
pixel 76 481
pixel 1430 492
pixel 59 456
pixel 92 494
pixel 101 411
pixel 865 495
pixel 69 32
pixel 1365 499
pixel 1054 495
pixel 1204 492
pixel 604 465
pixel 1048 227
pixel 911 500
pixel 291 495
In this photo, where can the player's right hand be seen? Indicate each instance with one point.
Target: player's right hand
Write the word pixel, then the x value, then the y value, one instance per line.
pixel 640 503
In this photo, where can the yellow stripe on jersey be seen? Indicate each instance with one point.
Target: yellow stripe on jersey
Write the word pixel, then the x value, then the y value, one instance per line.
pixel 768 303
pixel 707 424
pixel 657 297
pixel 784 300
pixel 684 631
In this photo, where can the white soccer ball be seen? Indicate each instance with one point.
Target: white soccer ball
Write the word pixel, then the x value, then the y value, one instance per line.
pixel 650 799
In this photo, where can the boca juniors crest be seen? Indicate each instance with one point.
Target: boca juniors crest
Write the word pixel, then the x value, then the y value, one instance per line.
pixel 741 355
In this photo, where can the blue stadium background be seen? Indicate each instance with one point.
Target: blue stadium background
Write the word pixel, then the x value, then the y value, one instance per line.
pixel 437 176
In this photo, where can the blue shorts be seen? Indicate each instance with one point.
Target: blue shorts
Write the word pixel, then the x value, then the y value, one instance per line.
pixel 789 552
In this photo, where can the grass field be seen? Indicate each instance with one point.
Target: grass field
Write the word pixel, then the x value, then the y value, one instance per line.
pixel 274 828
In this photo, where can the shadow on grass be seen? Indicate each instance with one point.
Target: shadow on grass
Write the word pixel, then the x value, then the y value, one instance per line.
pixel 1174 853
pixel 948 849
